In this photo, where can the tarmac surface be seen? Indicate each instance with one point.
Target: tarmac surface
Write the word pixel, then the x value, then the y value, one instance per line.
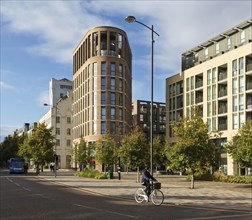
pixel 176 189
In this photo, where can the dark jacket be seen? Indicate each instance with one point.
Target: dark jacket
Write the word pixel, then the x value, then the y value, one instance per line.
pixel 147 176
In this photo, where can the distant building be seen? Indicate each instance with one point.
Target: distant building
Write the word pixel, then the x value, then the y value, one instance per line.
pixel 60 118
pixel 141 114
pixel 217 77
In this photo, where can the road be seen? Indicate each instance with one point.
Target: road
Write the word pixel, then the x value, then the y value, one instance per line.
pixel 32 197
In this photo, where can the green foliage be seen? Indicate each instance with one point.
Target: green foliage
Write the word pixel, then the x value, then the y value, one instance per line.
pixel 193 150
pixel 219 176
pixel 134 151
pixel 83 154
pixel 39 146
pixel 240 147
pixel 159 152
pixel 9 147
pixel 106 151
pixel 91 174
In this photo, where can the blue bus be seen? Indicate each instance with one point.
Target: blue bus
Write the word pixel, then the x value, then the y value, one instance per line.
pixel 17 165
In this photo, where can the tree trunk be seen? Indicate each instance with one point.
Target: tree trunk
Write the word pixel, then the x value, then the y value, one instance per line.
pixel 192 181
pixel 137 174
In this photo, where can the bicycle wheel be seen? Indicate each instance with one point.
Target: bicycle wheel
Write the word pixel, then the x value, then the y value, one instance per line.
pixel 157 197
pixel 140 195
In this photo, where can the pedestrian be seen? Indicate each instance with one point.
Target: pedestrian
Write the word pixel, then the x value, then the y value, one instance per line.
pixel 146 181
pixel 51 167
pixel 26 168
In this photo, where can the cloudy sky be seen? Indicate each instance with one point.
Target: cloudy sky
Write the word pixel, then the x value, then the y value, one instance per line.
pixel 38 38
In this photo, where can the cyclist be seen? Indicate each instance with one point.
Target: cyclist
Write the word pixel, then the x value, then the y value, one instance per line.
pixel 146 181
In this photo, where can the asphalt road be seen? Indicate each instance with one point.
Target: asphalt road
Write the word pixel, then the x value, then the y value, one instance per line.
pixel 31 197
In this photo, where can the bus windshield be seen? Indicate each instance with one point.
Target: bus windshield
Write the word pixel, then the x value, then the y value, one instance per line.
pixel 17 165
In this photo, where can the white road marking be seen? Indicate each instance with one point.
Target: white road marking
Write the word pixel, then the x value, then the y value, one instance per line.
pixel 104 210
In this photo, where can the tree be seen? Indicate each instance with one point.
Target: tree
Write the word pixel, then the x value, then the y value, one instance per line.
pixel 159 157
pixel 193 149
pixel 240 147
pixel 9 147
pixel 39 146
pixel 83 154
pixel 106 152
pixel 134 151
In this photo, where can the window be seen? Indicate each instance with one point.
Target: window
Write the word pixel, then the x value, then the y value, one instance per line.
pixel 112 84
pixel 187 84
pixel 112 43
pixel 103 98
pixel 58 131
pixel 57 119
pixel 120 70
pixel 112 113
pixel 68 131
pixel 229 43
pixel 103 127
pixel 242 35
pixel 209 93
pixel 112 69
pixel 235 86
pixel 208 77
pixel 217 48
pixel 103 83
pixel 68 143
pixel 235 104
pixel 241 66
pixel 120 99
pixel 103 113
pixel 209 124
pixel 120 85
pixel 214 92
pixel 234 67
pixel 112 98
pixel 57 142
pixel 206 53
pixel 241 102
pixel 209 108
pixel 120 114
pixel 192 98
pixel 192 82
pixel 104 50
pixel 103 68
pixel 241 84
pixel 68 120
pixel 213 124
pixel 214 108
pixel 95 44
pixel 112 127
pixel 235 121
pixel 241 121
pixel 214 75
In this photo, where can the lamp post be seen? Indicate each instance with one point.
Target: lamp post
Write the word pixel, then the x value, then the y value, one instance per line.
pixel 55 154
pixel 131 19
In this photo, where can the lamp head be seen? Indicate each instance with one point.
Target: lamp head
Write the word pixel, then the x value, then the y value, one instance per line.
pixel 130 19
pixel 45 104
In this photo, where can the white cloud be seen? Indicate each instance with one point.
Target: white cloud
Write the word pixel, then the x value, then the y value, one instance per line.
pixel 4 85
pixel 60 25
pixel 43 98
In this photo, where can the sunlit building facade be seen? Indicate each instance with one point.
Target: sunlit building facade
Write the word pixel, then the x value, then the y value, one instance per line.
pixel 217 77
pixel 102 90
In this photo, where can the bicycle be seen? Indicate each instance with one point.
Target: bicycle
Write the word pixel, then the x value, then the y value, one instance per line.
pixel 156 196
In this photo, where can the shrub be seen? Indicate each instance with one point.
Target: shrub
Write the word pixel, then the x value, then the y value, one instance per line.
pixel 88 173
pixel 219 176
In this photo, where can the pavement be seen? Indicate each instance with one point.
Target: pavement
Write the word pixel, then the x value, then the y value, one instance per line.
pixel 176 189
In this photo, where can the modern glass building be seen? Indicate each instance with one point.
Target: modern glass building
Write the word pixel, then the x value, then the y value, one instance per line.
pixel 102 89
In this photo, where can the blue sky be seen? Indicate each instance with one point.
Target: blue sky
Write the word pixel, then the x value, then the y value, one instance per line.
pixel 38 38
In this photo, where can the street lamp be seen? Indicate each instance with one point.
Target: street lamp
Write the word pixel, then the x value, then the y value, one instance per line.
pixel 55 155
pixel 131 19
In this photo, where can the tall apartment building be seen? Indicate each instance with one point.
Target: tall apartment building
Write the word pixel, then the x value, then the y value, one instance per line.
pixel 141 113
pixel 60 118
pixel 216 76
pixel 102 85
